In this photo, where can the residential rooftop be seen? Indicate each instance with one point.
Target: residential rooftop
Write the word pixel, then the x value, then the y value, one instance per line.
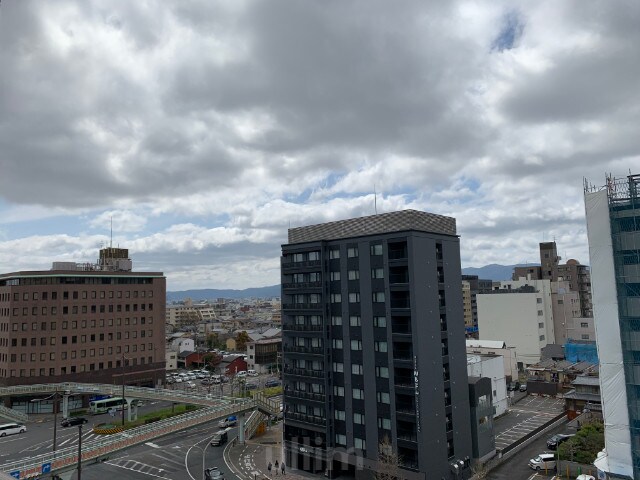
pixel 401 221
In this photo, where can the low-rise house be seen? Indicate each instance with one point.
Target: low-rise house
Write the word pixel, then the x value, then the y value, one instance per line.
pixel 232 364
pixel 584 396
pixel 550 377
pixel 263 356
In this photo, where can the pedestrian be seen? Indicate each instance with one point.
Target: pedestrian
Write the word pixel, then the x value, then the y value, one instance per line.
pixel 277 467
pixel 282 468
pixel 269 468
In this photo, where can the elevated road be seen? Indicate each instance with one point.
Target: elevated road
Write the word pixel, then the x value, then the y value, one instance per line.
pixel 66 459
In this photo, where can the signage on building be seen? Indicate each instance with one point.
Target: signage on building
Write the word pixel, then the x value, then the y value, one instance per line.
pixel 417 389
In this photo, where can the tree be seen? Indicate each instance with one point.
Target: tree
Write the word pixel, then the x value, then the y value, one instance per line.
pixel 212 360
pixel 242 338
pixel 479 471
pixel 213 340
pixel 585 445
pixel 388 467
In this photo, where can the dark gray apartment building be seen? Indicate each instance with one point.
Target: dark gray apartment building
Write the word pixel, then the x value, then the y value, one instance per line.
pixel 374 347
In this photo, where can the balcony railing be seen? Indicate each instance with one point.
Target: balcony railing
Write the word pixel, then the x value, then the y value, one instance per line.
pixel 400 303
pixel 303 417
pixel 407 436
pixel 302 285
pixel 302 306
pixel 289 264
pixel 303 372
pixel 302 328
pixel 315 397
pixel 309 350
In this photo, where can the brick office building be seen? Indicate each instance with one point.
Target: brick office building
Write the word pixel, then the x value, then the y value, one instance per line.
pixel 78 322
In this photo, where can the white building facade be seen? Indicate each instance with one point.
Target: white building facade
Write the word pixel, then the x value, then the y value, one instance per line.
pixel 491 366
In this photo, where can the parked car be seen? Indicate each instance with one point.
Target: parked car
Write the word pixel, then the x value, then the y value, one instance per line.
pixel 271 383
pixel 555 441
pixel 228 422
pixel 241 374
pixel 191 384
pixel 523 387
pixel 544 461
pixel 584 476
pixel 71 422
pixel 251 386
pixel 213 473
pixel 170 380
pixel 179 380
pixel 219 438
pixel 252 373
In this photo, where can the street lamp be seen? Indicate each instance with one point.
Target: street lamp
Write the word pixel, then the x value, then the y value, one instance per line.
pixel 204 451
pixel 56 397
pixel 124 359
pixel 79 451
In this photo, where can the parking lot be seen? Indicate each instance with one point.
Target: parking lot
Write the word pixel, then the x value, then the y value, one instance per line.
pixel 222 385
pixel 524 417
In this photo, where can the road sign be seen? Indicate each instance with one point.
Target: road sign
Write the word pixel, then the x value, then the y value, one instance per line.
pixel 46 468
pixel 15 474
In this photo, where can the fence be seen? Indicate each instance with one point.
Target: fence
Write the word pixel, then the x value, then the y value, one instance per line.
pixel 567 469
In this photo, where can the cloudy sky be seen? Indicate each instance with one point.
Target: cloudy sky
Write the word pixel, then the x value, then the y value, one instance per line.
pixel 205 129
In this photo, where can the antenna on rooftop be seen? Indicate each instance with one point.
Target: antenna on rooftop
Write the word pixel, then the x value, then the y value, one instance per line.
pixel 375 199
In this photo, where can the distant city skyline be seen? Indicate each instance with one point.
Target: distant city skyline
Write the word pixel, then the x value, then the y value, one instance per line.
pixel 206 130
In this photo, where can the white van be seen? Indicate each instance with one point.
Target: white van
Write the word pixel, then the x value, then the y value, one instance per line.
pixel 11 428
pixel 544 461
pixel 241 374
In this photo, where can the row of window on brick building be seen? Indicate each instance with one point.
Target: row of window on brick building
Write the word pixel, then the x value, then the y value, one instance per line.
pixel 77 309
pixel 74 324
pixel 76 295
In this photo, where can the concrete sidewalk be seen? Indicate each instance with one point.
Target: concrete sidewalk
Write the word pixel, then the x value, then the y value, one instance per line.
pixel 249 461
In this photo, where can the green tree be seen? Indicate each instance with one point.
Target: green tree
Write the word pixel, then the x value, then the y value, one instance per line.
pixel 242 338
pixel 212 360
pixel 388 466
pixel 213 340
pixel 585 445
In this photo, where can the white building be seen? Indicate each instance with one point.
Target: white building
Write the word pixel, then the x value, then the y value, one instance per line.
pixel 496 347
pixel 171 359
pixel 183 344
pixel 519 312
pixel 491 366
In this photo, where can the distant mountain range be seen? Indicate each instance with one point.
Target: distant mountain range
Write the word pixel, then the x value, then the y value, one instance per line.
pixel 492 272
pixel 212 294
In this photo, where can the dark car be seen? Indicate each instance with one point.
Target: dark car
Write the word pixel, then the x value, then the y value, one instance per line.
pixel 556 440
pixel 70 422
pixel 219 438
pixel 251 386
pixel 272 383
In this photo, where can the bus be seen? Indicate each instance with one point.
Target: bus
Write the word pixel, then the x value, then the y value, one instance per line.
pixel 103 406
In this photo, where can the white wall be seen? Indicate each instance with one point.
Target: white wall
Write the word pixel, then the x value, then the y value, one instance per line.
pixel 171 358
pixel 183 344
pixel 491 367
pixel 513 317
pixel 617 435
pixel 508 355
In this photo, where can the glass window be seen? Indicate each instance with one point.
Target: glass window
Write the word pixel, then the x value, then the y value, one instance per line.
pixel 356 344
pixel 338 391
pixel 358 394
pixel 352 252
pixel 359 443
pixel 354 297
pixel 376 249
pixel 380 322
pixel 353 274
pixel 380 346
pixel 341 439
pixel 358 418
pixel 384 423
pixel 356 369
pixel 339 414
pixel 382 372
pixel 378 297
pixel 377 273
pixel 336 298
pixel 338 367
pixel 383 397
pixel 334 276
pixel 334 253
pixel 354 321
pixel 314 255
pixel 337 343
pixel 336 320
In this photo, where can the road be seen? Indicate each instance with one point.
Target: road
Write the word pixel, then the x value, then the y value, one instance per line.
pixel 174 457
pixel 516 468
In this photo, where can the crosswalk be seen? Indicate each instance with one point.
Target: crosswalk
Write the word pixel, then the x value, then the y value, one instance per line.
pixel 143 468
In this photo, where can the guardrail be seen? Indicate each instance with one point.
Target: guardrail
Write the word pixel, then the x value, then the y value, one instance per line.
pixel 136 392
pixel 67 457
pixel 13 414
